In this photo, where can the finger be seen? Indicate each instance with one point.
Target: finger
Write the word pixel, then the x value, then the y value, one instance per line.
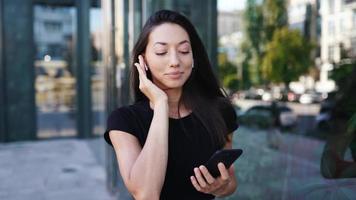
pixel 142 66
pixel 142 62
pixel 210 179
pixel 200 178
pixel 140 71
pixel 195 183
pixel 231 170
pixel 223 172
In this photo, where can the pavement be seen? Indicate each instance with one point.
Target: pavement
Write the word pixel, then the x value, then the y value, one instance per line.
pixel 74 169
pixel 61 169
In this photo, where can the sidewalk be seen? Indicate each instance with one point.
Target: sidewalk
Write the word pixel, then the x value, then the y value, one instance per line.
pixel 65 169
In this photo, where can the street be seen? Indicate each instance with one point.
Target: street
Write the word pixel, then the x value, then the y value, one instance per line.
pixel 305 112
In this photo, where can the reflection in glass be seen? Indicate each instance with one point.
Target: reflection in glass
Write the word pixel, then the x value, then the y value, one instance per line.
pixel 54 28
pixel 97 70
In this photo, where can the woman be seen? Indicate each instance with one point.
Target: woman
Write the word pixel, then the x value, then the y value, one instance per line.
pixel 179 119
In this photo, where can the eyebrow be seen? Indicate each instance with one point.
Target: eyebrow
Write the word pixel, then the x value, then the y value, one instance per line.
pixel 164 43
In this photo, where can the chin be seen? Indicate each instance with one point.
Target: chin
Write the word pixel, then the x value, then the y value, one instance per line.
pixel 173 84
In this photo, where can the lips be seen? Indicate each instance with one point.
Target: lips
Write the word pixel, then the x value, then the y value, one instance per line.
pixel 174 75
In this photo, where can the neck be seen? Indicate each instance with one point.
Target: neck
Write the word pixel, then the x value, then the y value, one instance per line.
pixel 173 98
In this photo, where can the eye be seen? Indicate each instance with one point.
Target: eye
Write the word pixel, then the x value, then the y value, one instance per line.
pixel 161 54
pixel 184 52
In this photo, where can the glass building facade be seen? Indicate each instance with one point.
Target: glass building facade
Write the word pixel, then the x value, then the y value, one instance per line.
pixel 64 64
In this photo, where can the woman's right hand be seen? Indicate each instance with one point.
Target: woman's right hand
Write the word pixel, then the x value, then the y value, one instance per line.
pixel 147 87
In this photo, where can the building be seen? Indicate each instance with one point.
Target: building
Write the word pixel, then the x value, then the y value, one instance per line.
pixel 64 64
pixel 229 22
pixel 338 27
pixel 230 33
pixel 304 16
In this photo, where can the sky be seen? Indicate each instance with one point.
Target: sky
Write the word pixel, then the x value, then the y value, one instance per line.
pixel 229 5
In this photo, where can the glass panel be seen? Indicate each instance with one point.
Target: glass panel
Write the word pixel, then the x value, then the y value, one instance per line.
pixel 54 28
pixel 97 77
pixel 308 146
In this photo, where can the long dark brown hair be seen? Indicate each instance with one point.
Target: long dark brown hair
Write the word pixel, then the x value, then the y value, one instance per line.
pixel 201 92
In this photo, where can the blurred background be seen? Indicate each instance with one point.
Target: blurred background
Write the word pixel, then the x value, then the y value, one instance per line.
pixel 288 66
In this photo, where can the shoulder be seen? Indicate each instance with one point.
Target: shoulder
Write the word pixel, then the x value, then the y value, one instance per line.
pixel 129 119
pixel 128 110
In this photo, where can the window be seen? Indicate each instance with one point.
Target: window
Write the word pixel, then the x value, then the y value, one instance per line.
pixel 331 6
pixel 331 53
pixel 349 1
pixel 342 26
pixel 55 82
pixel 354 19
pixel 53 26
pixel 353 46
pixel 331 27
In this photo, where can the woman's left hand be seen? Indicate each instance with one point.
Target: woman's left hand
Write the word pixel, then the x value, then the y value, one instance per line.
pixel 204 182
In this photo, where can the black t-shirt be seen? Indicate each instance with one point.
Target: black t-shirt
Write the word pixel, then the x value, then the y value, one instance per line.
pixel 189 145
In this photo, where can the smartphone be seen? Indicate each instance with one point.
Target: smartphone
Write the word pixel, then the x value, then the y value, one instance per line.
pixel 226 156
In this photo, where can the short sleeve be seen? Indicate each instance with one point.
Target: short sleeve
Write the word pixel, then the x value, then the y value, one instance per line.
pixel 230 117
pixel 121 120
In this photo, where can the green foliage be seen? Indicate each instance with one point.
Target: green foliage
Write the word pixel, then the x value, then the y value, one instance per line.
pixel 287 56
pixel 252 49
pixel 253 18
pixel 230 81
pixel 261 21
pixel 228 75
pixel 341 74
pixel 272 52
pixel 275 17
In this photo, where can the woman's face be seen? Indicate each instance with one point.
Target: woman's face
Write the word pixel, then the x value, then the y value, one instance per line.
pixel 169 56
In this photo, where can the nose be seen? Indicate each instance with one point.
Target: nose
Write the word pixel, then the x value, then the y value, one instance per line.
pixel 174 60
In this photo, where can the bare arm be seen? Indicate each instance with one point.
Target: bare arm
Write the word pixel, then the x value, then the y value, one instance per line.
pixel 144 169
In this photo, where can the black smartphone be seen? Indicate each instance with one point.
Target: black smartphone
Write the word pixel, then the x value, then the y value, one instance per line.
pixel 226 156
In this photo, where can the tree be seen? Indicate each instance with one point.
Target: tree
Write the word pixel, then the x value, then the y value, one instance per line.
pixel 261 21
pixel 228 75
pixel 287 56
pixel 252 48
pixel 275 17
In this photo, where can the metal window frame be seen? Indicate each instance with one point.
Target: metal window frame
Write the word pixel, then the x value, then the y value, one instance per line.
pixel 2 80
pixel 84 127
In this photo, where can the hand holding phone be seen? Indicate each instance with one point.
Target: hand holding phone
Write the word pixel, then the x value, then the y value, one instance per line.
pixel 225 156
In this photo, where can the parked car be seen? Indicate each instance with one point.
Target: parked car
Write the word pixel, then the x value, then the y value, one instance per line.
pixel 262 116
pixel 253 93
pixel 310 97
pixel 287 95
